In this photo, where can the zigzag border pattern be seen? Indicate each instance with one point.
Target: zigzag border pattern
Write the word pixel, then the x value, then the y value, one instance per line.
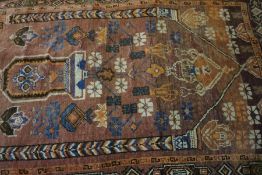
pixel 82 14
pixel 85 149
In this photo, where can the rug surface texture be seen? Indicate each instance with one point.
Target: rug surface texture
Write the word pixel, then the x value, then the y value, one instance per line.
pixel 130 87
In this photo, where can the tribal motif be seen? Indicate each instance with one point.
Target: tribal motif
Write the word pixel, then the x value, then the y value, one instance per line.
pixel 91 14
pixel 81 149
pixel 130 87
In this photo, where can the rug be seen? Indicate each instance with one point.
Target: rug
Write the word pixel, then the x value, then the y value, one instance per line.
pixel 121 87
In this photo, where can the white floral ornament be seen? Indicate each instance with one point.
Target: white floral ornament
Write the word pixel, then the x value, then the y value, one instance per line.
pixel 233 47
pixel 139 39
pixel 175 120
pixel 229 111
pixel 224 14
pixel 95 59
pixel 210 33
pixel 255 139
pixel 120 65
pixel 121 85
pixel 245 91
pixel 231 32
pixel 94 89
pixel 145 107
pixel 161 26
pixel 252 110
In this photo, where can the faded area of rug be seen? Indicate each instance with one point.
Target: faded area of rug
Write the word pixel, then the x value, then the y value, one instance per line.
pixel 130 87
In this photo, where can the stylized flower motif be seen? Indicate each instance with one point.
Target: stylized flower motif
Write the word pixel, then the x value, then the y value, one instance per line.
pixel 53 110
pixel 175 120
pixel 231 32
pixel 113 27
pixel 187 110
pixel 151 26
pixel 95 59
pixel 233 47
pixel 52 131
pixel 241 139
pixel 241 111
pixel 115 126
pixel 101 115
pixel 253 115
pixel 229 111
pixel 101 35
pixel 161 121
pixel 210 33
pixel 155 70
pixel 54 37
pixel 27 78
pixel 129 108
pixel 224 14
pixel 106 74
pixel 139 39
pixel 120 65
pixel 169 70
pixel 255 139
pixel 94 89
pixel 23 36
pixel 145 107
pixel 46 120
pixel 161 26
pixel 175 37
pixel 75 35
pixel 245 91
pixel 121 85
pixel 17 120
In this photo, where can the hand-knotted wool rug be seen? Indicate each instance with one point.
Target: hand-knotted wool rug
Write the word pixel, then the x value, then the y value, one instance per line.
pixel 130 87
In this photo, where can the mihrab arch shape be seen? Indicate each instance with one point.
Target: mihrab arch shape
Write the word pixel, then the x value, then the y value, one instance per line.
pixel 37 77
